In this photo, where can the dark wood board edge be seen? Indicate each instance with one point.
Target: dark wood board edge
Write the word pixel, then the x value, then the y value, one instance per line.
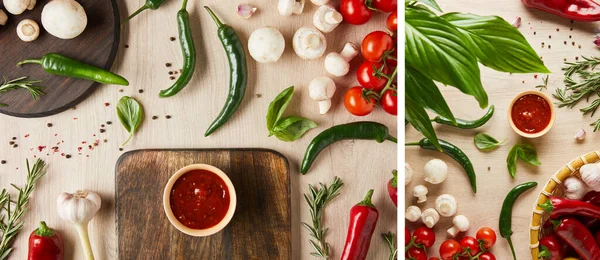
pixel 276 153
pixel 107 66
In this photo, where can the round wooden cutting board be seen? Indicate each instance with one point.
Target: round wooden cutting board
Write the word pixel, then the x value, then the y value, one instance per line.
pixel 97 45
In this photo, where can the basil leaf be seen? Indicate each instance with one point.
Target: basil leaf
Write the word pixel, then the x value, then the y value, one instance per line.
pixel 528 154
pixel 292 128
pixel 424 91
pixel 278 106
pixel 511 160
pixel 486 142
pixel 130 113
pixel 431 3
pixel 418 118
pixel 498 44
pixel 441 52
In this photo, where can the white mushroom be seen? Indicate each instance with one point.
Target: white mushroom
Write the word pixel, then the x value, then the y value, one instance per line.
pixel 65 19
pixel 319 2
pixel 326 18
pixel 338 64
pixel 28 30
pixel 461 224
pixel 408 173
pixel 266 44
pixel 3 17
pixel 430 217
pixel 322 89
pixel 413 213
pixel 309 43
pixel 16 7
pixel 446 205
pixel 31 4
pixel 420 192
pixel 575 189
pixel 590 174
pixel 436 171
pixel 289 7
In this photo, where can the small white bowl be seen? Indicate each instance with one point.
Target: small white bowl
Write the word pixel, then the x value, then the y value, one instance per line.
pixel 199 232
pixel 552 114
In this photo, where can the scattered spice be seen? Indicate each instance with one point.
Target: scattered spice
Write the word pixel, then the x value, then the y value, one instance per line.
pixel 11 143
pixel 106 140
pixel 26 135
pixel 557 29
pixel 14 138
pixel 120 149
pixel 168 64
pixel 171 78
pixel 576 58
pixel 106 104
pixel 168 117
pixel 570 36
pixel 68 156
pixel 517 22
pixel 579 46
pixel 549 36
pixel 120 90
pixel 126 46
pixel 489 168
pixel 3 162
pixel 597 41
pixel 15 145
pixel 258 95
pixel 570 29
pixel 170 72
pixel 172 38
pixel 41 147
pixel 573 43
pixel 565 42
pixel 154 117
pixel 102 125
pixel 549 46
pixel 108 122
pixel 534 33
pixel 49 125
pixel 140 91
pixel 102 130
pixel 175 72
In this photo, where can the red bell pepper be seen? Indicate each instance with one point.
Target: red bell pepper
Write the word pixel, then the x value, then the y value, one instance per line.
pixel 558 207
pixel 552 248
pixel 45 244
pixel 579 238
pixel 363 218
pixel 580 10
pixel 392 187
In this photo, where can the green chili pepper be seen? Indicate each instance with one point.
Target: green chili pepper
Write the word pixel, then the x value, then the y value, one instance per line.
pixel 57 64
pixel 455 153
pixel 506 212
pixel 150 4
pixel 357 130
pixel 466 124
pixel 238 72
pixel 187 49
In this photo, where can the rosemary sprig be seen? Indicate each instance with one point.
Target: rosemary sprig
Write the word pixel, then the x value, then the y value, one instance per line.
pixel 10 221
pixel 389 238
pixel 317 199
pixel 22 82
pixel 544 85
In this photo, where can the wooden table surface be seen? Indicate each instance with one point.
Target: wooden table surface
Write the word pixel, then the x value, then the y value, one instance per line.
pixel 555 149
pixel 143 63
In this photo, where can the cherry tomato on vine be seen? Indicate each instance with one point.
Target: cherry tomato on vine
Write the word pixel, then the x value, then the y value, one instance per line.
pixel 357 104
pixel 389 102
pixel 415 253
pixel 469 246
pixel 424 236
pixel 487 236
pixel 376 44
pixel 392 22
pixel 434 258
pixel 449 249
pixel 385 6
pixel 355 11
pixel 367 78
pixel 487 256
pixel 407 236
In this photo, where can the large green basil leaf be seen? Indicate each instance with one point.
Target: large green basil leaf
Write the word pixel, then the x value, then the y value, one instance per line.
pixel 498 44
pixel 130 114
pixel 291 128
pixel 423 90
pixel 441 52
pixel 431 3
pixel 418 118
pixel 278 106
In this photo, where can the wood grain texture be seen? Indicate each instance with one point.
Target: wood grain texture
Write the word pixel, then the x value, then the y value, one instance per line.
pixel 97 45
pixel 261 225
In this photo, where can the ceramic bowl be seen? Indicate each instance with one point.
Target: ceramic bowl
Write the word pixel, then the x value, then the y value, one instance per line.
pixel 552 114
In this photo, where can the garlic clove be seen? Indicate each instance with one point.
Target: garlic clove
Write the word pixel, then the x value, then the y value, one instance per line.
pixel 580 135
pixel 246 11
pixel 575 188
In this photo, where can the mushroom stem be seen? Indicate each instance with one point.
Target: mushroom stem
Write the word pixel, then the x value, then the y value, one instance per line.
pixel 349 51
pixel 333 17
pixel 312 41
pixel 324 106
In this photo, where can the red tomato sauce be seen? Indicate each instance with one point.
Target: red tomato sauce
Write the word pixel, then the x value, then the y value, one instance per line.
pixel 531 113
pixel 199 199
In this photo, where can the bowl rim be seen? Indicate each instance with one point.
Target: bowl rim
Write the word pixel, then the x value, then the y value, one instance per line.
pixel 552 114
pixel 199 232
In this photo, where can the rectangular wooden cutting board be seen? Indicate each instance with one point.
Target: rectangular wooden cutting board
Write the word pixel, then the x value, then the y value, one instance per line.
pixel 261 225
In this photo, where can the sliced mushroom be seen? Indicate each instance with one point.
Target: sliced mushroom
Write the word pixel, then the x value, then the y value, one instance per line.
pixel 326 18
pixel 309 43
pixel 28 30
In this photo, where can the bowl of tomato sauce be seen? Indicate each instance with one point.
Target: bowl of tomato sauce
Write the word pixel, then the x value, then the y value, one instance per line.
pixel 199 200
pixel 531 114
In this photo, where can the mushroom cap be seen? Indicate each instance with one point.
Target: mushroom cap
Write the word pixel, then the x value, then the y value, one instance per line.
pixel 419 190
pixel 15 6
pixel 319 2
pixel 28 30
pixel 326 18
pixel 321 88
pixel 461 222
pixel 436 171
pixel 266 44
pixel 446 205
pixel 289 7
pixel 3 17
pixel 31 4
pixel 309 43
pixel 336 65
pixel 65 19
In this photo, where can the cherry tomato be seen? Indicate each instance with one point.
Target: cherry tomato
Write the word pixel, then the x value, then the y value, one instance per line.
pixel 434 258
pixel 449 249
pixel 424 236
pixel 389 102
pixel 355 11
pixel 392 22
pixel 385 6
pixel 487 236
pixel 415 253
pixel 469 246
pixel 367 78
pixel 376 44
pixel 487 256
pixel 357 104
pixel 551 248
pixel 406 236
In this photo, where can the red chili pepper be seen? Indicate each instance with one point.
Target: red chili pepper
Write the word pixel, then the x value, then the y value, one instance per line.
pixel 558 207
pixel 580 10
pixel 392 188
pixel 363 218
pixel 579 238
pixel 552 248
pixel 45 244
pixel 592 197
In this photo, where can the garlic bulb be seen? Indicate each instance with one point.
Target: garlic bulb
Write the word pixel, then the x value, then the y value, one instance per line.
pixel 408 173
pixel 575 189
pixel 79 208
pixel 590 174
pixel 436 171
